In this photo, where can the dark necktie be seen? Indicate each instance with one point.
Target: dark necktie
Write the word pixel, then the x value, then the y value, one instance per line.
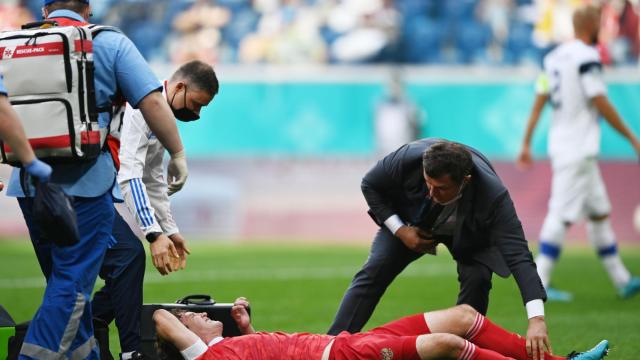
pixel 431 216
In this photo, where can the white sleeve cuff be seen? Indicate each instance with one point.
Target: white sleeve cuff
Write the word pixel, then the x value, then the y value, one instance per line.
pixel 153 228
pixel 194 351
pixel 171 231
pixel 535 308
pixel 393 223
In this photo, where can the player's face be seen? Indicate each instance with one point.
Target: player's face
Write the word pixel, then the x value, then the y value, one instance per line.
pixel 200 324
pixel 190 99
pixel 197 99
pixel 443 190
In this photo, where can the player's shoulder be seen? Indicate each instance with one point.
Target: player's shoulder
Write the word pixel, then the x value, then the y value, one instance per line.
pixel 552 56
pixel 575 51
pixel 111 40
pixel 585 53
pixel 109 36
pixel 587 59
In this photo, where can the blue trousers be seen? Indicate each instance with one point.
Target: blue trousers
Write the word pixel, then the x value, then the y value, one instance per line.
pixel 121 296
pixel 62 326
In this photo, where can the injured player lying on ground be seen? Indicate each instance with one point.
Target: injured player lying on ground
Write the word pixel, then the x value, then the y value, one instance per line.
pixel 455 333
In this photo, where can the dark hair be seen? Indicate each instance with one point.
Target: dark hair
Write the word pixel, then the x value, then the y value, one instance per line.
pixel 73 5
pixel 199 75
pixel 447 158
pixel 166 350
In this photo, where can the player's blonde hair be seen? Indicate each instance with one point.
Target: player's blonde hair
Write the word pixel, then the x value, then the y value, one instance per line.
pixel 585 16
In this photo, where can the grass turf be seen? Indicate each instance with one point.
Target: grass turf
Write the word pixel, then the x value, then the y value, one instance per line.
pixel 299 287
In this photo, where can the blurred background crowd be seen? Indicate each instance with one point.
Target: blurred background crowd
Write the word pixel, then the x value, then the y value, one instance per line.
pixel 483 32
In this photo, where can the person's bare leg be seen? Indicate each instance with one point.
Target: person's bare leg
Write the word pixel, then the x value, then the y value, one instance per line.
pixel 466 322
pixel 439 346
pixel 456 320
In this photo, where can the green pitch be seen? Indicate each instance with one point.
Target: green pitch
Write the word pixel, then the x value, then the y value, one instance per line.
pixel 299 287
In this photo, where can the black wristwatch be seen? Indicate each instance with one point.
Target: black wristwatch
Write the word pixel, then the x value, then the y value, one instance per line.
pixel 153 236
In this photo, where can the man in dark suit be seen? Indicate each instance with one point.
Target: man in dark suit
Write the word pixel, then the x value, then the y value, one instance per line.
pixel 434 191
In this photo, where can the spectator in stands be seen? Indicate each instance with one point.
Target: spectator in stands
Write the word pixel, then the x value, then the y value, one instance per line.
pixel 286 34
pixel 619 32
pixel 13 15
pixel 198 30
pixel 366 29
pixel 355 31
pixel 497 14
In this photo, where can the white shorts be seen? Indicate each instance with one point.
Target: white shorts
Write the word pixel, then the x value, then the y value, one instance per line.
pixel 578 191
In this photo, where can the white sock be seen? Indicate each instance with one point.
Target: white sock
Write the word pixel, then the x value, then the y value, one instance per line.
pixel 602 237
pixel 618 273
pixel 550 247
pixel 545 265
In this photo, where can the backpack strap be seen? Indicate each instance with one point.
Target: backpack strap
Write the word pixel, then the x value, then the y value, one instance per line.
pixel 66 21
pixel 39 24
pixel 111 144
pixel 118 99
pixel 97 29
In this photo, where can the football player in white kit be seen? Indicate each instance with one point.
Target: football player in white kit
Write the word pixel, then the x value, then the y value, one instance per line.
pixel 572 83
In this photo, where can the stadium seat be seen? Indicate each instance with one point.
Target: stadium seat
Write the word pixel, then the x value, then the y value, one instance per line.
pixel 421 40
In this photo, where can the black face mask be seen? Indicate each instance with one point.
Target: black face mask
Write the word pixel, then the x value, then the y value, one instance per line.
pixel 183 114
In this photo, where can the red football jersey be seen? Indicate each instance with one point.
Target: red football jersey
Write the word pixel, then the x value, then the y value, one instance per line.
pixel 269 346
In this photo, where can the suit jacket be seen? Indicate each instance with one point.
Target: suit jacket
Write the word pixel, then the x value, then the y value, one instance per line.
pixel 487 227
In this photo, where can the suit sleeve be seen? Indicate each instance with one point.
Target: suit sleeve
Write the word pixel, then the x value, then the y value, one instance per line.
pixel 507 234
pixel 378 183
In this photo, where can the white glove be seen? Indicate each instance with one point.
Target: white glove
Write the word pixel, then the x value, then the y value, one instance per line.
pixel 177 172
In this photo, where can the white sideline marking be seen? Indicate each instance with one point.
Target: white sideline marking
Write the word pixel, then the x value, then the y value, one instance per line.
pixel 423 270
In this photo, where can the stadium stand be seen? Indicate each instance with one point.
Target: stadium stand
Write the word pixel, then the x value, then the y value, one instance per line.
pixel 478 32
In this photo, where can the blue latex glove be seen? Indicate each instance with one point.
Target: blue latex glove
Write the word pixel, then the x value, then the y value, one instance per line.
pixel 39 170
